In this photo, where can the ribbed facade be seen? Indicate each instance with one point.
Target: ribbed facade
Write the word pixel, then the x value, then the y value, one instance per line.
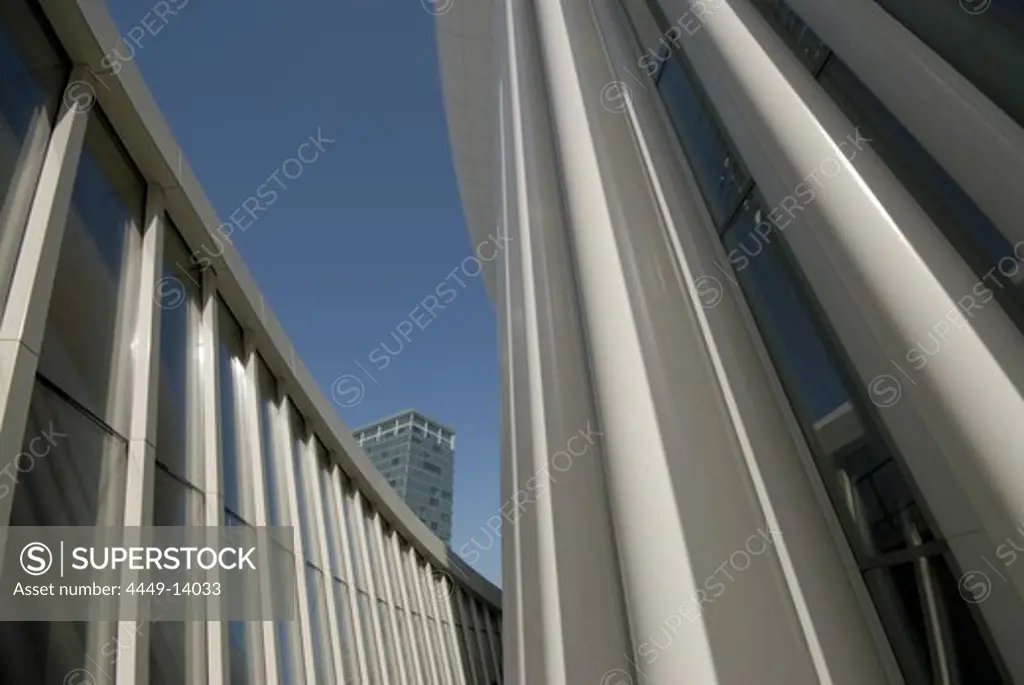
pixel 144 381
pixel 770 254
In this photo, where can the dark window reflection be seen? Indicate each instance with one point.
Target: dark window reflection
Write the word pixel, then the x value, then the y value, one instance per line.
pixel 806 361
pixel 178 416
pixel 239 657
pixel 798 36
pixel 177 649
pixel 268 413
pixel 76 477
pixel 722 177
pixel 298 435
pixel 87 343
pixel 231 372
pixel 289 652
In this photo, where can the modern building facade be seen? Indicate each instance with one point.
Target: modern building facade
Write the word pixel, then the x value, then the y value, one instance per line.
pixel 144 384
pixel 416 456
pixel 770 253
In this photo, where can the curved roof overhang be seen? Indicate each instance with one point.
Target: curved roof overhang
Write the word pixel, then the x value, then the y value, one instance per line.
pixel 470 77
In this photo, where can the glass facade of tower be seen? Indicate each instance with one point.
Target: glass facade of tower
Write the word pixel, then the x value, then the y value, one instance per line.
pixel 139 386
pixel 417 457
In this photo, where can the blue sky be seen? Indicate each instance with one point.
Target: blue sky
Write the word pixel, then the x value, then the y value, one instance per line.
pixel 370 228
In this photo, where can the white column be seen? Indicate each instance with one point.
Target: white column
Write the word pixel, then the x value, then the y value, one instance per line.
pixel 133 644
pixel 292 483
pixel 557 454
pixel 216 632
pixel 980 146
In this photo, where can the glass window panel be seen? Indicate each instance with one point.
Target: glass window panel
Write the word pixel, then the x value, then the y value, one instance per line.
pixel 177 649
pixel 178 416
pixel 175 503
pixel 289 652
pixel 277 512
pixel 372 548
pixel 387 631
pixel 722 178
pixel 76 478
pixel 468 633
pixel 867 488
pixel 330 512
pixel 346 633
pixel 766 284
pixel 352 524
pixel 87 343
pixel 392 566
pixel 464 656
pixel 298 436
pixel 239 653
pixel 405 648
pixel 983 40
pixel 496 627
pixel 78 475
pixel 33 71
pixel 231 379
pixel 482 640
pixel 177 652
pixel 323 663
pixel 798 35
pixel 369 638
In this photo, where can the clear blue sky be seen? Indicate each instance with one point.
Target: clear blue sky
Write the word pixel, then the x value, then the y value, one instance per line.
pixel 369 229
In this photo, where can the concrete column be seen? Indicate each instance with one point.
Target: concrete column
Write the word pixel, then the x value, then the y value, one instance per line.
pixel 565 554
